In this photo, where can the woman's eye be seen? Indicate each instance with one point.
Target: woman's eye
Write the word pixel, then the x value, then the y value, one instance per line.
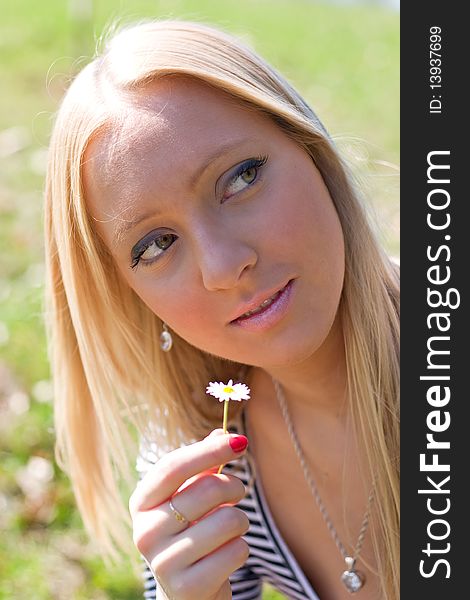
pixel 245 175
pixel 150 248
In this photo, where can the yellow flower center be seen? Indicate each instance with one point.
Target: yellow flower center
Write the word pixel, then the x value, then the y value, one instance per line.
pixel 228 390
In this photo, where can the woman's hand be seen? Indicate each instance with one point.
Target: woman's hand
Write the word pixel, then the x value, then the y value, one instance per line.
pixel 192 559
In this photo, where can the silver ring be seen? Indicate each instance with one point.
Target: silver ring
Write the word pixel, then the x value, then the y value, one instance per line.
pixel 176 513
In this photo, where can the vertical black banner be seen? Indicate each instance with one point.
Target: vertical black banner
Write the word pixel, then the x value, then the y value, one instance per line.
pixel 434 324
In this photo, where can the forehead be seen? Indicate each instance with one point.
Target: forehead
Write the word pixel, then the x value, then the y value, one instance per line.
pixel 171 124
pixel 160 139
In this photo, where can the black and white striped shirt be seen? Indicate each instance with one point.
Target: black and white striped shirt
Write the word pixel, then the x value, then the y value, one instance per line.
pixel 270 559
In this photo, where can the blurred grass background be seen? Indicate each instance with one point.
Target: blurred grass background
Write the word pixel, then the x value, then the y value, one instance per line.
pixel 343 59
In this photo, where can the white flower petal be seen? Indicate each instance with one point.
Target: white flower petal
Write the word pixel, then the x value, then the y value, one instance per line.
pixel 238 391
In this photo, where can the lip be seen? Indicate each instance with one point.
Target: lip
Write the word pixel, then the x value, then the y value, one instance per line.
pixel 269 315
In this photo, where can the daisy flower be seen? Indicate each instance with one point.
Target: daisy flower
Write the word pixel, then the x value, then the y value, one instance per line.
pixel 225 392
pixel 228 391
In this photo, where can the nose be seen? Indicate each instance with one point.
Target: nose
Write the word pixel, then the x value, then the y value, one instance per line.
pixel 223 258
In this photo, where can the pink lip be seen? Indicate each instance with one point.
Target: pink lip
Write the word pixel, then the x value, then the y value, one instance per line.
pixel 270 315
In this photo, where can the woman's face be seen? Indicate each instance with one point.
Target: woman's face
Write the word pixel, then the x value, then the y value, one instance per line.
pixel 209 210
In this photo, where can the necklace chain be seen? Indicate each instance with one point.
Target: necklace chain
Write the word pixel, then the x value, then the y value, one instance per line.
pixel 308 476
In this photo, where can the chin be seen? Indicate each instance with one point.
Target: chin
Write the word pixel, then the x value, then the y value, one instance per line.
pixel 281 352
pixel 291 346
pixel 300 345
pixel 291 357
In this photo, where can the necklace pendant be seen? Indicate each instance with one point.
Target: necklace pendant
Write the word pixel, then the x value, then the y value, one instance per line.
pixel 353 580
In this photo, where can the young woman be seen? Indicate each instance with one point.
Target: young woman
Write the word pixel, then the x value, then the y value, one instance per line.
pixel 201 226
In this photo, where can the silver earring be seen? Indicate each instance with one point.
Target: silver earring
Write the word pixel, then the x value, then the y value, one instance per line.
pixel 166 341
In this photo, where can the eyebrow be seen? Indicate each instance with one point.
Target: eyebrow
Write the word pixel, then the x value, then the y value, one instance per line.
pixel 126 225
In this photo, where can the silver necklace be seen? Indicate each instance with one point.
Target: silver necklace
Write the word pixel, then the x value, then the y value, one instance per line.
pixel 351 578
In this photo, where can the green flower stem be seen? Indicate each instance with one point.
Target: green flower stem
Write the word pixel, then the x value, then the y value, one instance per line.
pixel 225 415
pixel 225 427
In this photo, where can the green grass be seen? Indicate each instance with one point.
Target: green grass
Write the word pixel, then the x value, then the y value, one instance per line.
pixel 345 63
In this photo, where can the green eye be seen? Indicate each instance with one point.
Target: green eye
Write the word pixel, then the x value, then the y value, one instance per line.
pixel 164 241
pixel 159 245
pixel 151 247
pixel 246 175
pixel 249 175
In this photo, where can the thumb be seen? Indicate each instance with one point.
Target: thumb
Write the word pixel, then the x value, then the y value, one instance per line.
pixel 215 432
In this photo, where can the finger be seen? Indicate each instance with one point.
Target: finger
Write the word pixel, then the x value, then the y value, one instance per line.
pixel 205 494
pixel 218 431
pixel 215 432
pixel 153 528
pixel 177 466
pixel 212 570
pixel 202 538
pixel 212 470
pixel 207 576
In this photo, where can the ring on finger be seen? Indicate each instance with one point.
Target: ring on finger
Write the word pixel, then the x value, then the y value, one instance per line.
pixel 176 513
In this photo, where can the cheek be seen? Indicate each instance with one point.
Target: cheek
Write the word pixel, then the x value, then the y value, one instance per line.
pixel 165 299
pixel 313 228
pixel 183 309
pixel 303 220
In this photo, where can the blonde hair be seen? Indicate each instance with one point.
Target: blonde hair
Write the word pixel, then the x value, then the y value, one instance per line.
pixel 111 379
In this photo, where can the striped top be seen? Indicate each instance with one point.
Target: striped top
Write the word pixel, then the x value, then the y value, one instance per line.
pixel 270 559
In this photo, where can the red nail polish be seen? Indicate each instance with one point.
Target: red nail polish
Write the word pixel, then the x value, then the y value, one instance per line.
pixel 238 443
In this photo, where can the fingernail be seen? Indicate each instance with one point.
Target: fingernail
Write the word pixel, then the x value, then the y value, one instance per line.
pixel 238 443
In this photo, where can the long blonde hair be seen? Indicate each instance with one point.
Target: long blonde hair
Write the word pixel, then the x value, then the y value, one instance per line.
pixel 112 383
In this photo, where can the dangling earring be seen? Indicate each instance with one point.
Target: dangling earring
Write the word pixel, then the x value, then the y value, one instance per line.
pixel 166 341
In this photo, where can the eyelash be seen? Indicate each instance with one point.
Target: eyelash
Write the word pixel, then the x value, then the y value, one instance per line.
pixel 138 258
pixel 253 163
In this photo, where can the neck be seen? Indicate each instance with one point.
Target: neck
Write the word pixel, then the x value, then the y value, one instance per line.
pixel 316 384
